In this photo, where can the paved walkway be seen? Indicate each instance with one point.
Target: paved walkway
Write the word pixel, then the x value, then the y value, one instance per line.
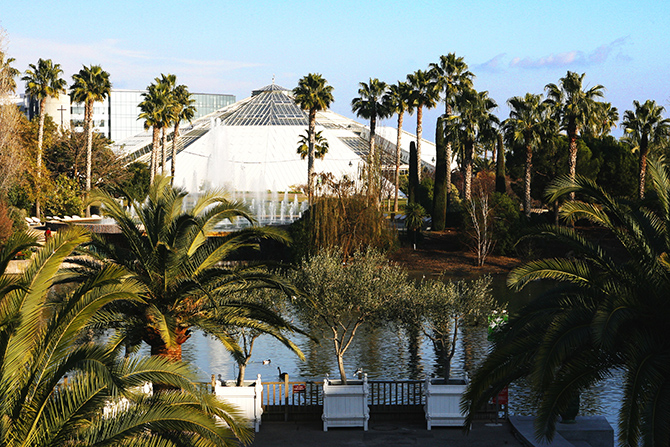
pixel 387 434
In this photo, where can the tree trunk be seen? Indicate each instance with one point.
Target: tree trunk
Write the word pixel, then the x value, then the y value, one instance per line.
pixel 413 171
pixel 340 366
pixel 240 373
pixel 310 156
pixel 448 155
pixel 176 139
pixel 373 192
pixel 526 180
pixel 467 171
pixel 155 142
pixel 40 142
pixel 440 189
pixel 419 131
pixel 501 186
pixel 397 163
pixel 163 151
pixel 644 149
pixel 572 161
pixel 88 118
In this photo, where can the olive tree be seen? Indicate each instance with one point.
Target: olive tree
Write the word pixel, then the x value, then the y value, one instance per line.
pixel 342 296
pixel 438 308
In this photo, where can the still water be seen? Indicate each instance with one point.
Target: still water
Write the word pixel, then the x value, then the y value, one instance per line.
pixel 385 353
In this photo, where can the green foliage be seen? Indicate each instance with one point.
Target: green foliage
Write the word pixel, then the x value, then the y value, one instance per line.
pixel 136 185
pixel 507 223
pixel 63 198
pixel 437 308
pixel 607 314
pixel 424 193
pixel 166 248
pixel 344 295
pixel 41 333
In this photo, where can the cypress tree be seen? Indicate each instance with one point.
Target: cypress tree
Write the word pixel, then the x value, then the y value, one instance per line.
pixel 441 165
pixel 413 173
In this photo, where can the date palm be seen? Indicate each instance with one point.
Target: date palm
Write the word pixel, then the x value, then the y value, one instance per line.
pixel 7 75
pixel 59 389
pixel 312 94
pixel 396 100
pixel 321 146
pixel 528 124
pixel 645 129
pixel 154 108
pixel 188 284
pixel 43 81
pixel 469 127
pixel 575 109
pixel 424 94
pixel 451 76
pixel 370 105
pixel 90 85
pixel 182 110
pixel 607 314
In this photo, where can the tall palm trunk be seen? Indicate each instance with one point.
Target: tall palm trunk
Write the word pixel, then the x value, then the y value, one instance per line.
pixel 526 180
pixel 176 138
pixel 373 175
pixel 419 131
pixel 155 143
pixel 501 186
pixel 40 142
pixel 397 162
pixel 467 168
pixel 448 155
pixel 163 150
pixel 644 150
pixel 440 190
pixel 310 156
pixel 572 161
pixel 88 118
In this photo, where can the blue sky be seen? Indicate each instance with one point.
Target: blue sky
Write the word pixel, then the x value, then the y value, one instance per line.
pixel 233 47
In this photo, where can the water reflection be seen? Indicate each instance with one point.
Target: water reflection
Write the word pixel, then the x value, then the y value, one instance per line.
pixel 389 353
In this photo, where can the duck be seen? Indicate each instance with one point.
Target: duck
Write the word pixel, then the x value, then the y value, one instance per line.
pixel 267 362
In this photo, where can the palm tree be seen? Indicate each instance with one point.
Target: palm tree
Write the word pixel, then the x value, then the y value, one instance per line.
pixel 7 75
pixel 370 105
pixel 187 285
pixel 528 124
pixel 167 83
pixel 59 389
pixel 396 100
pixel 183 110
pixel 312 94
pixel 320 146
pixel 470 126
pixel 154 108
pixel 608 313
pixel 646 129
pixel 43 81
pixel 575 109
pixel 90 85
pixel 451 76
pixel 424 94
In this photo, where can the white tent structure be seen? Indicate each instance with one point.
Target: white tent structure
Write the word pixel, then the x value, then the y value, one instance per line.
pixel 251 146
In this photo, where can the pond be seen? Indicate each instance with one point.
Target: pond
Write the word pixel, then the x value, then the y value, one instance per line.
pixel 386 353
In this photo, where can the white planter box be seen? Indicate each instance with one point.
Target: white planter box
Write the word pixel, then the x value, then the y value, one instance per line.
pixel 345 405
pixel 248 399
pixel 443 403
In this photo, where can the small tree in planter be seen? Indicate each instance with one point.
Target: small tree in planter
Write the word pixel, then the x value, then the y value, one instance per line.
pixel 242 339
pixel 438 309
pixel 343 296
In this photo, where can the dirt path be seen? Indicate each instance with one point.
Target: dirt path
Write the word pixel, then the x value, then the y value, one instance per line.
pixel 442 251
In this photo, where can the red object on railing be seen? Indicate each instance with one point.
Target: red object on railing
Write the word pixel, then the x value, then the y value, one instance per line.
pixel 299 388
pixel 503 396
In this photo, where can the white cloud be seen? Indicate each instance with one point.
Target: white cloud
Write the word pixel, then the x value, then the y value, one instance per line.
pixel 574 58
